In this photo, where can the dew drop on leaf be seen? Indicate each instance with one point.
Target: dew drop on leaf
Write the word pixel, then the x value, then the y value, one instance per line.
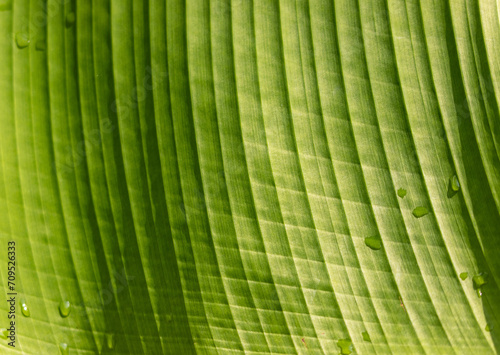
pixel 488 328
pixel 4 333
pixel 366 336
pixel 64 308
pixel 454 183
pixel 464 275
pixel 345 346
pixel 22 40
pixel 25 309
pixel 70 19
pixel 453 186
pixel 480 279
pixel 63 347
pixel 420 211
pixel 373 243
pixel 402 193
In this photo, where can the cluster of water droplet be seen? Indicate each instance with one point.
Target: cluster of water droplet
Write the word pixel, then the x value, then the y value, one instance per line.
pixel 64 311
pixel 23 39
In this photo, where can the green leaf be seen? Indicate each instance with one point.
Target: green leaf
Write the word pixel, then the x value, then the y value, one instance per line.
pixel 206 177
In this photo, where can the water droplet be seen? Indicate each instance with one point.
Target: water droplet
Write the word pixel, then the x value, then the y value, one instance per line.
pixel 480 279
pixel 488 328
pixel 22 40
pixel 40 45
pixel 453 186
pixel 464 275
pixel 366 336
pixel 4 333
pixel 64 308
pixel 24 308
pixel 454 183
pixel 402 193
pixel 70 19
pixel 373 243
pixel 345 346
pixel 420 211
pixel 110 341
pixel 63 347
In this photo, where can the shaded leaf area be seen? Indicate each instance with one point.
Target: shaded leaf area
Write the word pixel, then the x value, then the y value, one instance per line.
pixel 251 176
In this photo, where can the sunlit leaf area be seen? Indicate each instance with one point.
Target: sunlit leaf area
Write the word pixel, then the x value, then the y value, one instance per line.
pixel 250 177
